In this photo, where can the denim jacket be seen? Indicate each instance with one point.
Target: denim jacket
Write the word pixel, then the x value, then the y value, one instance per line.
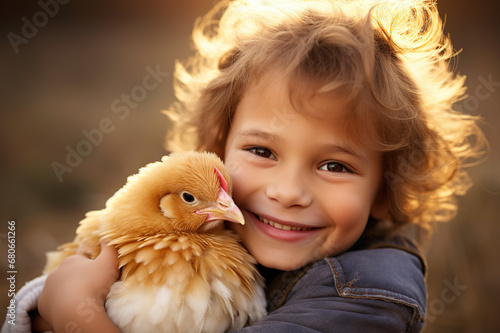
pixel 375 288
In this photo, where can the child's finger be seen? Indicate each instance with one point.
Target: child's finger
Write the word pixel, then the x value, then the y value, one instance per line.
pixel 87 251
pixel 108 258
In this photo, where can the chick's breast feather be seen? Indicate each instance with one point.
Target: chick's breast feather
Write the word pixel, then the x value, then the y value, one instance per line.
pixel 182 271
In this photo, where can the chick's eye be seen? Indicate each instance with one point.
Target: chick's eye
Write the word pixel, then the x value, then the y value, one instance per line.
pixel 187 197
pixel 334 167
pixel 262 152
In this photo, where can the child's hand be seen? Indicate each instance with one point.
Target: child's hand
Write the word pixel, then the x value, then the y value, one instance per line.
pixel 74 294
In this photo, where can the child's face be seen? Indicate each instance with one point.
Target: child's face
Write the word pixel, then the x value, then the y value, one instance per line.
pixel 305 189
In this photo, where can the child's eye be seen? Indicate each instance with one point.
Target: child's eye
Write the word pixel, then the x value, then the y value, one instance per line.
pixel 262 152
pixel 335 167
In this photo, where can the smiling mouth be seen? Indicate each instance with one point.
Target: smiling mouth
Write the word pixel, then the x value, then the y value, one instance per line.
pixel 282 226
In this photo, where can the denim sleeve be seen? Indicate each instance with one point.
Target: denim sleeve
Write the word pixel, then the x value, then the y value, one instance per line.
pixel 378 290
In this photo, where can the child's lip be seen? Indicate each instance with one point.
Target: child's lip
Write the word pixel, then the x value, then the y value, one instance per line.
pixel 296 235
pixel 280 223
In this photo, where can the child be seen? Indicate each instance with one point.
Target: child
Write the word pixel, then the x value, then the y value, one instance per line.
pixel 335 120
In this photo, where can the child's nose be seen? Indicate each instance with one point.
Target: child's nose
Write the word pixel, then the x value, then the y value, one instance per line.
pixel 289 190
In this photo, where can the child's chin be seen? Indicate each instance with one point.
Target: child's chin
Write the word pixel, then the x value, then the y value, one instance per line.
pixel 288 267
pixel 283 264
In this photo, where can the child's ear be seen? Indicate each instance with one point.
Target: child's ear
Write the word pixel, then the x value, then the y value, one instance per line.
pixel 380 205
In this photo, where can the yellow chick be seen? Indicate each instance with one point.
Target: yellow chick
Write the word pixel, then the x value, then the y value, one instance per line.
pixel 181 270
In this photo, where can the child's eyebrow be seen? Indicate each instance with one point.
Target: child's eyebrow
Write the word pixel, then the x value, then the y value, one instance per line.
pixel 259 134
pixel 334 148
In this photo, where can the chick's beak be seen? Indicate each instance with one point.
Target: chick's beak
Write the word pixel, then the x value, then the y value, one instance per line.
pixel 224 209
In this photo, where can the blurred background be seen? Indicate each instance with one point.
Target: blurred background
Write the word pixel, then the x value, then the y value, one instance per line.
pixel 80 71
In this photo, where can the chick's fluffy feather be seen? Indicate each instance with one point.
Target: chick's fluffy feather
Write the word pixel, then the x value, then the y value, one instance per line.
pixel 178 275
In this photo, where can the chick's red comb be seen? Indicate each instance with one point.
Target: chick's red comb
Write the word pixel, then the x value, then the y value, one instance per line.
pixel 223 182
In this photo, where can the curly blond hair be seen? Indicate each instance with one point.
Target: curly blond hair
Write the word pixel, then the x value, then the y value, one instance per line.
pixel 388 59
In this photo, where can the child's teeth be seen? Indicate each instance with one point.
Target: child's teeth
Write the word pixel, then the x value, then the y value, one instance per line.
pixel 281 226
